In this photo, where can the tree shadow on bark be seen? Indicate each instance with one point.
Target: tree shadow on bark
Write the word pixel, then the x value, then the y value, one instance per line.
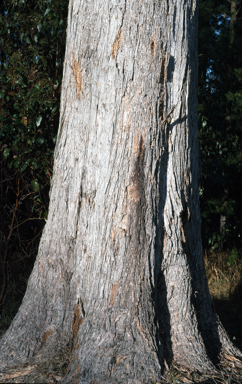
pixel 207 322
pixel 159 292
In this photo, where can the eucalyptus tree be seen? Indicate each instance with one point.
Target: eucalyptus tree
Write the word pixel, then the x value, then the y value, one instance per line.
pixel 119 279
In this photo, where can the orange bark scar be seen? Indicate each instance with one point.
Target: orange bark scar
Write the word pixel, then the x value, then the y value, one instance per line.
pixel 116 44
pixel 136 179
pixel 23 372
pixel 77 72
pixel 119 360
pixel 77 321
pixel 113 233
pixel 46 335
pixel 113 294
pixel 183 234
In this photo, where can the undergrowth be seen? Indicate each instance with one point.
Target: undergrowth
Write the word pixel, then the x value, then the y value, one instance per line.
pixel 224 273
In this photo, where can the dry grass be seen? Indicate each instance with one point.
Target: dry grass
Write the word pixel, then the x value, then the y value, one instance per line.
pixel 224 273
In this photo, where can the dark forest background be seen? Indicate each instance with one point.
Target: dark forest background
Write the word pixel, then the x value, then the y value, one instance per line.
pixel 32 47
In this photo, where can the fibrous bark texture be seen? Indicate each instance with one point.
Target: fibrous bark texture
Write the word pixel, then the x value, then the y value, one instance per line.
pixel 119 278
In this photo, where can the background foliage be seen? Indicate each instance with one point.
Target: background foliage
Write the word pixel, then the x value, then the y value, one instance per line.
pixel 32 37
pixel 32 45
pixel 220 122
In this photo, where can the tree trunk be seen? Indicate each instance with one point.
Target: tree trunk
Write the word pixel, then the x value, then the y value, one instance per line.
pixel 119 279
pixel 233 20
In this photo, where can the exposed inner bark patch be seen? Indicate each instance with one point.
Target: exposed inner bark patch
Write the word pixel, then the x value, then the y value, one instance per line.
pixel 113 233
pixel 75 377
pixel 77 321
pixel 116 44
pixel 113 294
pixel 119 359
pixel 23 372
pixel 46 335
pixel 138 172
pixel 183 233
pixel 77 72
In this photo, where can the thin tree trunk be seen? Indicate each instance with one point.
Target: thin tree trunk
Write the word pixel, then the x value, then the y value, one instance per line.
pixel 233 20
pixel 119 278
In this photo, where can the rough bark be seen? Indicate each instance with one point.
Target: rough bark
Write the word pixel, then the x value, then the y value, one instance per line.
pixel 119 279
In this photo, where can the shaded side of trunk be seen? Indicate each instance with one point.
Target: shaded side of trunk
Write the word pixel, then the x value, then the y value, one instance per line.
pixel 119 277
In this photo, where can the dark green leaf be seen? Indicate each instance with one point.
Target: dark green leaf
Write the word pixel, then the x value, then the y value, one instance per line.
pixel 47 11
pixel 35 185
pixel 38 121
pixel 24 167
pixel 16 163
pixel 6 152
pixel 40 140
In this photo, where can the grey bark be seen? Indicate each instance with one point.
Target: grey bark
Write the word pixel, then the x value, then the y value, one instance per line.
pixel 119 279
